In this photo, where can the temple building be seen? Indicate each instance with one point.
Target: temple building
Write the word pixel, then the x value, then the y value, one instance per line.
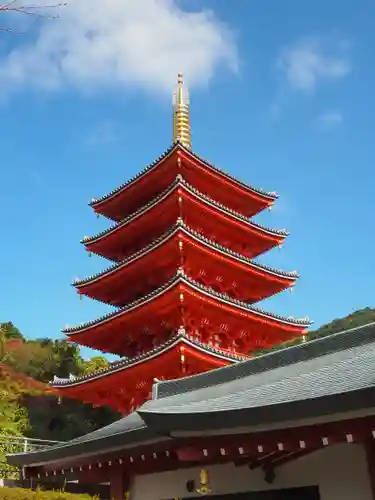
pixel 202 417
pixel 183 277
pixel 295 424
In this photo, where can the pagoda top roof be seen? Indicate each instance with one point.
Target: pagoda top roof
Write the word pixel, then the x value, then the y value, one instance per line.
pixel 175 147
pixel 179 181
pixel 180 338
pixel 181 277
pixel 181 225
pixel 323 377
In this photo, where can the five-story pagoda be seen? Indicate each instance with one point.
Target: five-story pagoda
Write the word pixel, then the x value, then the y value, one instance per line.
pixel 182 279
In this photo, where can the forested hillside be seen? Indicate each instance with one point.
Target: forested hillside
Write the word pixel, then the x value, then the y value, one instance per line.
pixel 27 404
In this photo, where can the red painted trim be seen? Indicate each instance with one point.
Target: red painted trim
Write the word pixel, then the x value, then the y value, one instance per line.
pixel 154 268
pixel 215 314
pixel 216 224
pixel 118 389
pixel 188 452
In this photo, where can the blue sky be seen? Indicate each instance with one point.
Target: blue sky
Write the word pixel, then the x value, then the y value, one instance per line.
pixel 282 97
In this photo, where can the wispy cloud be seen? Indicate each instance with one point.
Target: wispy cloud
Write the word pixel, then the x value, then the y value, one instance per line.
pixel 330 120
pixel 103 133
pixel 313 60
pixel 120 42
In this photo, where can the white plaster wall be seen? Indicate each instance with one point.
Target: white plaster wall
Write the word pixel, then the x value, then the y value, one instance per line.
pixel 340 471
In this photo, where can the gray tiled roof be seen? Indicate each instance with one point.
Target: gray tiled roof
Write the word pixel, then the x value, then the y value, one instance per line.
pixel 320 377
pixel 312 350
pixel 310 373
pixel 125 432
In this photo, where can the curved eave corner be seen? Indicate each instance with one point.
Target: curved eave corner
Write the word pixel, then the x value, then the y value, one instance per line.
pixel 97 202
pixel 271 196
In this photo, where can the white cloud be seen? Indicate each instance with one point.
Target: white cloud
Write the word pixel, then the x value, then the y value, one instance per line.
pixel 142 43
pixel 313 60
pixel 330 120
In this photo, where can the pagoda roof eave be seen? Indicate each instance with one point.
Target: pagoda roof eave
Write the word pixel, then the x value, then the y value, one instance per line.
pixel 180 339
pixel 180 182
pixel 181 226
pixel 272 196
pixel 95 203
pixel 184 279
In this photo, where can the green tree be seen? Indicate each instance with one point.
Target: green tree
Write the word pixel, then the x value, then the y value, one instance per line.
pixel 94 364
pixel 13 416
pixel 10 331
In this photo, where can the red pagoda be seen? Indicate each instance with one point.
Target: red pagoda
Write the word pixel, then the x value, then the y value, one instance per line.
pixel 182 276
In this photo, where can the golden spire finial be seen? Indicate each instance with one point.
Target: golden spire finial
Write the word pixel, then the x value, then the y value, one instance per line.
pixel 181 114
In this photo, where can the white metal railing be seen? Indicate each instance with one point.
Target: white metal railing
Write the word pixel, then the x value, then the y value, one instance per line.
pixel 25 444
pixel 21 444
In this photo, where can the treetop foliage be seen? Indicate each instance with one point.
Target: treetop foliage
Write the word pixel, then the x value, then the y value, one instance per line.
pixel 28 405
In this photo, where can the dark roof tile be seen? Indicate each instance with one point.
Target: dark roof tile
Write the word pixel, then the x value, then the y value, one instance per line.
pixel 284 357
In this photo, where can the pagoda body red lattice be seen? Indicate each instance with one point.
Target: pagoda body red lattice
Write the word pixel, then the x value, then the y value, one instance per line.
pixel 181 278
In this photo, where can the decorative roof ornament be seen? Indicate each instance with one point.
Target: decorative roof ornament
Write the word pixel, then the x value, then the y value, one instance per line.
pixel 181 114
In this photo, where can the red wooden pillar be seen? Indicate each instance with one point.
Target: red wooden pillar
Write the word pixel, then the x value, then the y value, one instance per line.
pixel 370 455
pixel 119 485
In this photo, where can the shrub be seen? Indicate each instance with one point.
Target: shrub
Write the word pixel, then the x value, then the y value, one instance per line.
pixel 25 494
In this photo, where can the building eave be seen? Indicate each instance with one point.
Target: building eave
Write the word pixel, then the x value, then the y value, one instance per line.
pixel 184 279
pixel 96 203
pixel 88 449
pixel 127 364
pixel 271 196
pixel 347 401
pixel 181 226
pixel 180 182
